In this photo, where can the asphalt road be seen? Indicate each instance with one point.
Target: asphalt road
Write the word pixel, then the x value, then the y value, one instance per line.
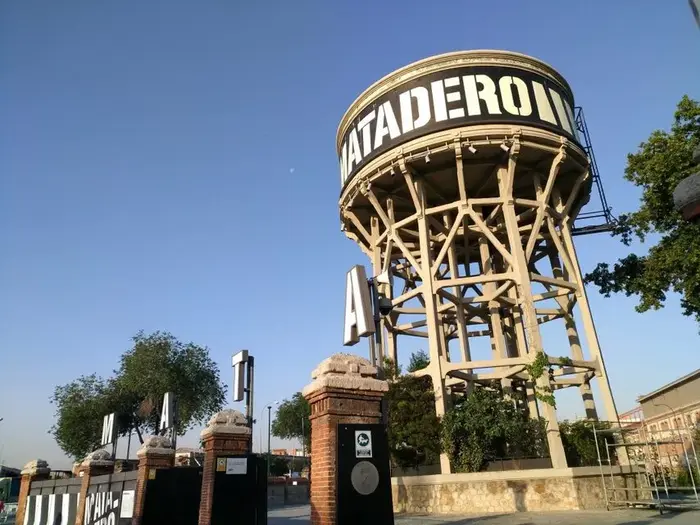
pixel 300 516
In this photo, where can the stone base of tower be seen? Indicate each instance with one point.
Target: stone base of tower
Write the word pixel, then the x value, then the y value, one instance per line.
pixel 510 491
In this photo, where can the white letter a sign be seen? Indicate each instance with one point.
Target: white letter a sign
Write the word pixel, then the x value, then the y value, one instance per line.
pixel 358 307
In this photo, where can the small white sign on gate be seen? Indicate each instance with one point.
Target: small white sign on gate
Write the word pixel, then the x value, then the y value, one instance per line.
pixel 236 466
pixel 363 443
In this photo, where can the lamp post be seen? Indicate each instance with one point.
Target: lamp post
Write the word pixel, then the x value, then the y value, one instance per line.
pixel 269 433
pixel 686 195
pixel 269 428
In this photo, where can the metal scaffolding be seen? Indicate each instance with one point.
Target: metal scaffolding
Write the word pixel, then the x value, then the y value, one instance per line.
pixel 663 465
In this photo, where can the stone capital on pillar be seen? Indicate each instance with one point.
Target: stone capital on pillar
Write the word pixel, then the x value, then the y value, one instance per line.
pixel 345 389
pixel 96 463
pixel 226 434
pixel 36 470
pixel 156 452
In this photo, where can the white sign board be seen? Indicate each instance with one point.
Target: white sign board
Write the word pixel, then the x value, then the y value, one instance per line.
pixel 363 444
pixel 359 319
pixel 236 465
pixel 127 504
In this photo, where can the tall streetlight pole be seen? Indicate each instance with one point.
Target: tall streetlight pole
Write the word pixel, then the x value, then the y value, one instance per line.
pixel 269 428
pixel 269 433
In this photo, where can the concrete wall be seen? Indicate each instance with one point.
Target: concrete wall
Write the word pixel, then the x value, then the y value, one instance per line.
pixel 275 495
pixel 282 491
pixel 515 491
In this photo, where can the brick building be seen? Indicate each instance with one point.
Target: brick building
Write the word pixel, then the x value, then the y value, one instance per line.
pixel 291 452
pixel 668 415
pixel 675 405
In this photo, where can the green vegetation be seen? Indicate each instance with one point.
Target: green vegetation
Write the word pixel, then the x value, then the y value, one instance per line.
pixel 536 370
pixel 292 420
pixel 419 360
pixel 279 466
pixel 672 263
pixel 483 426
pixel 156 364
pixel 414 429
pixel 580 444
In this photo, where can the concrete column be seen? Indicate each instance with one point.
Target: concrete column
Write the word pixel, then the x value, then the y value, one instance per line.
pixel 37 470
pixel 226 434
pixel 344 390
pixel 157 452
pixel 526 304
pixel 96 463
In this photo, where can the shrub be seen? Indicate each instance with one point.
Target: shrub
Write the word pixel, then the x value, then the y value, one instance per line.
pixel 483 426
pixel 579 442
pixel 414 429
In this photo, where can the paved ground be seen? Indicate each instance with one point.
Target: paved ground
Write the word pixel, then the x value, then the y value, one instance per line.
pixel 300 516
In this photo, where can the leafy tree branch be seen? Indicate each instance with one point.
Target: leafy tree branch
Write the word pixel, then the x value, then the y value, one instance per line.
pixel 672 264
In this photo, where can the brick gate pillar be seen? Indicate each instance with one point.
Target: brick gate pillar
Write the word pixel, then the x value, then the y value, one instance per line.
pixel 157 452
pixel 36 470
pixel 96 463
pixel 344 390
pixel 226 434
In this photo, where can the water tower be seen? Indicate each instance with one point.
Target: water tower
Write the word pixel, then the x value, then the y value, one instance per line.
pixel 462 176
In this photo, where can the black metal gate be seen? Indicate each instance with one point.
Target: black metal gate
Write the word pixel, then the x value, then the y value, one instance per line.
pixel 173 497
pixel 240 491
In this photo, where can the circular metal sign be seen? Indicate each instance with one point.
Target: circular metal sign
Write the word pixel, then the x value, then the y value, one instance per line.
pixel 364 478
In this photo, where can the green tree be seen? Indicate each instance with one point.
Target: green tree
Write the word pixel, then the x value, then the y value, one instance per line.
pixel 413 429
pixel 159 363
pixel 81 407
pixel 483 426
pixel 279 466
pixel 419 360
pixel 390 369
pixel 156 364
pixel 673 263
pixel 292 420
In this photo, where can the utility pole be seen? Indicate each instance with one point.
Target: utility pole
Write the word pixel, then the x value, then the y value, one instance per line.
pixel 269 429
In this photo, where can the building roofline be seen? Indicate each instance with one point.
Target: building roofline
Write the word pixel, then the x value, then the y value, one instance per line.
pixel 631 411
pixel 669 386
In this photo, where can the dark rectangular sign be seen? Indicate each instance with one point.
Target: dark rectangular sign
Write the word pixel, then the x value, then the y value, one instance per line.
pixel 452 98
pixel 364 480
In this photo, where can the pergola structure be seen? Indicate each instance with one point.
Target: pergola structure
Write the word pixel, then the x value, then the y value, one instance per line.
pixel 473 226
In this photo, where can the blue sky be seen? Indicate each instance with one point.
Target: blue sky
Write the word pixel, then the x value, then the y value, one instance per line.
pixel 171 166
